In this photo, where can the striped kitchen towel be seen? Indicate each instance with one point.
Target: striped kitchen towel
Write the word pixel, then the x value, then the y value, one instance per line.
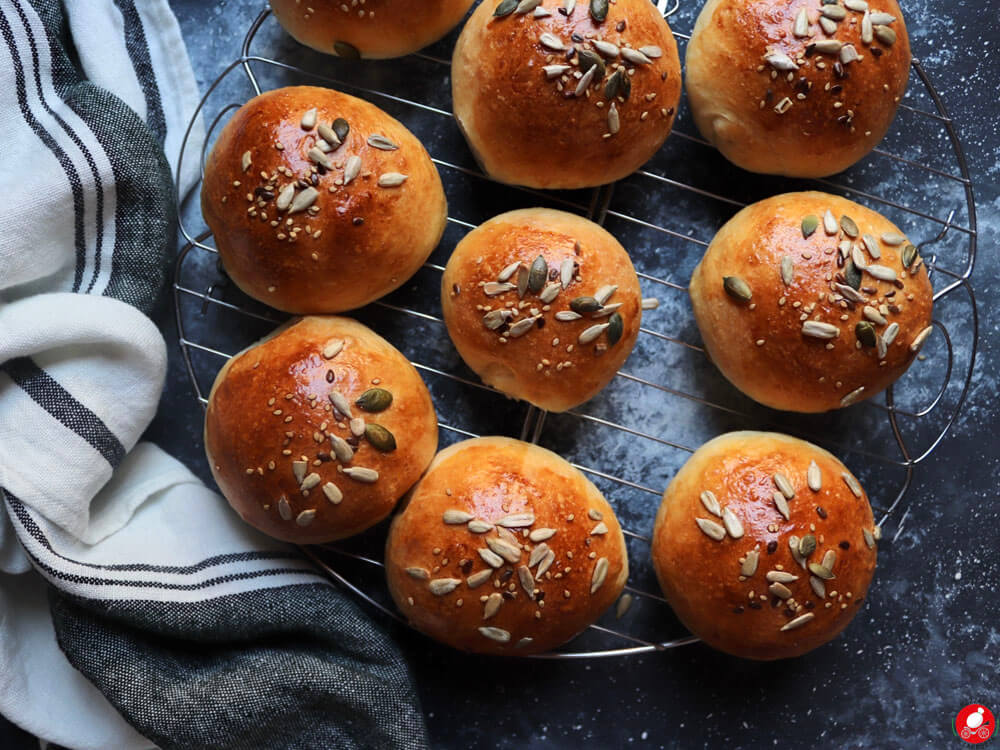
pixel 136 610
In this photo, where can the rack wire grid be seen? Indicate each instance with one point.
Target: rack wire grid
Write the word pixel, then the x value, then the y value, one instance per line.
pixel 668 398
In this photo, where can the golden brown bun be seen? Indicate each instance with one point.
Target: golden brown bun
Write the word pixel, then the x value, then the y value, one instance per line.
pixel 373 29
pixel 353 245
pixel 761 346
pixel 527 129
pixel 270 415
pixel 577 566
pixel 847 108
pixel 546 366
pixel 715 587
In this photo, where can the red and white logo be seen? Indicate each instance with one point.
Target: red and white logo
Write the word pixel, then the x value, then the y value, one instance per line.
pixel 975 724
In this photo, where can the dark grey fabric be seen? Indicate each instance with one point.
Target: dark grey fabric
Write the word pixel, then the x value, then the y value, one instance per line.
pixel 292 667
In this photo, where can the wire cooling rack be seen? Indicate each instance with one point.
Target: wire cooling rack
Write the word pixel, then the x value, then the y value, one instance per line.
pixel 668 398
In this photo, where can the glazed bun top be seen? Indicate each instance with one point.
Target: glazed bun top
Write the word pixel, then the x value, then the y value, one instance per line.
pixel 809 302
pixel 516 78
pixel 369 28
pixel 797 87
pixel 306 225
pixel 314 433
pixel 764 545
pixel 543 305
pixel 504 548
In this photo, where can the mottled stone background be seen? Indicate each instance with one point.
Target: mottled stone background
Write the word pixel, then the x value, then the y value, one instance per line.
pixel 927 641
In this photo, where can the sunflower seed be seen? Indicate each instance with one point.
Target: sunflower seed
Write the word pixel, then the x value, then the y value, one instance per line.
pixel 877 533
pixel 496 318
pixel 540 535
pixel 584 83
pixel 737 287
pixel 849 292
pixel 871 245
pixel 599 10
pixel 829 559
pixel 526 6
pixel 635 56
pixel 867 29
pixel 920 338
pixel 848 54
pixel 311 481
pixel 541 13
pixel 421 574
pixel 490 557
pixel 554 71
pixel 521 327
pixel 599 530
pixel 595 515
pixel 567 316
pixel 495 288
pixel 584 305
pixel 821 572
pixel 874 315
pixel 732 524
pixel 711 503
pixel 284 509
pixel 865 332
pixel 749 566
pixel 516 520
pixel 453 516
pixel 505 549
pixel 881 349
pixel 352 168
pixel 550 292
pixel 908 256
pixel 285 197
pixel 299 469
pixel 852 484
pixel 546 563
pixel 782 505
pixel 495 634
pixel 780 576
pixel 834 12
pixel 711 529
pixel 357 426
pixel 566 269
pixel 591 334
pixel 787 270
pixel 505 8
pixel 818 330
pixel 361 474
pixel 830 223
pixel 492 605
pixel 818 587
pixel 780 590
pixel 522 280
pixel 391 179
pixel 884 34
pixel 623 606
pixel 349 51
pixel 507 272
pixel 891 332
pixel 827 46
pixel 650 303
pixel 526 580
pixel 318 157
pixel 246 160
pixel 442 586
pixel 328 135
pixel 600 573
pixel 858 257
pixel 552 42
pixel 478 526
pixel 614 120
pixel 793 545
pixel 587 59
pixel 381 142
pixel 893 238
pixel 852 397
pixel 882 273
pixel 478 579
pixel 801 28
pixel 605 293
pixel 651 51
pixel 616 326
pixel 305 517
pixel 537 554
pixel 303 200
pixel 784 485
pixel 798 622
pixel 807 545
pixel 869 539
pixel 829 26
pixel 333 493
pixel 814 478
pixel 780 61
pixel 858 6
pixel 605 48
pixel 882 19
pixel 341 449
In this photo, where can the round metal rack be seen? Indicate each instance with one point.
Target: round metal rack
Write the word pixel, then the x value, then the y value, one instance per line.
pixel 890 435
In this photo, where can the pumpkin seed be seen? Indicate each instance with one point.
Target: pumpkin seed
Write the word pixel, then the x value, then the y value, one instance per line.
pixel 884 34
pixel 374 400
pixel 616 326
pixel 600 573
pixel 782 505
pixel 820 572
pixel 809 225
pixel 711 529
pixel 585 305
pixel 793 546
pixel 865 332
pixel 614 84
pixel 798 622
pixel 537 275
pixel 588 59
pixel 749 566
pixel 830 223
pixel 807 545
pixel 852 484
pixel 343 49
pixel 711 503
pixel 818 330
pixel 787 270
pixel 852 275
pixel 599 10
pixel 814 478
pixel 333 493
pixel 391 179
pixel 920 338
pixel 478 526
pixel 849 227
pixel 522 280
pixel 737 287
pixel 732 524
pixel 852 397
pixel 505 8
pixel 497 634
pixel 909 255
pixel 591 334
pixel 341 449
